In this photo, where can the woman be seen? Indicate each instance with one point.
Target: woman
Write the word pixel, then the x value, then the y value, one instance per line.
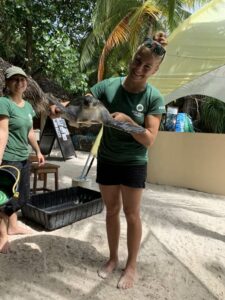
pixel 16 132
pixel 122 158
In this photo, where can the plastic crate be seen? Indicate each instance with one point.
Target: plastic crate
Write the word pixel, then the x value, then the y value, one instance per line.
pixel 63 207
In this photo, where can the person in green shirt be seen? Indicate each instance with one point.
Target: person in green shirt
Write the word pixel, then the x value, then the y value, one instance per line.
pixel 122 158
pixel 16 132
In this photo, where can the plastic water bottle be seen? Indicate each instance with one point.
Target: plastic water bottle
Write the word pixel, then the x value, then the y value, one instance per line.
pixel 180 122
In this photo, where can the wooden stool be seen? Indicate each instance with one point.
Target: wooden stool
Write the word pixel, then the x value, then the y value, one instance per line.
pixel 44 171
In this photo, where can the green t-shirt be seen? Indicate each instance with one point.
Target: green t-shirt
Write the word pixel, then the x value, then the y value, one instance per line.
pixel 20 123
pixel 117 146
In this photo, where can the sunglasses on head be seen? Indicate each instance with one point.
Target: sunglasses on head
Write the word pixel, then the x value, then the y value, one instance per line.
pixel 157 48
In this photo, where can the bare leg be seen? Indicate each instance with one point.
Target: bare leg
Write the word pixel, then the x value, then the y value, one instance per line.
pixel 14 228
pixel 111 196
pixel 131 205
pixel 4 243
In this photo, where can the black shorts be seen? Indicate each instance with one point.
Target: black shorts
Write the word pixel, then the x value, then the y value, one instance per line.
pixel 23 188
pixel 132 176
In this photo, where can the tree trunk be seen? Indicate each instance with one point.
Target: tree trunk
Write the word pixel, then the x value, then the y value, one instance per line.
pixel 29 44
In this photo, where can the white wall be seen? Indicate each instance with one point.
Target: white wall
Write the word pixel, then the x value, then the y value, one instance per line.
pixel 190 160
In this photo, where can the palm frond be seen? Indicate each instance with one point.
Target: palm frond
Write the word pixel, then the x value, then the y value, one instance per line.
pixel 140 20
pixel 119 35
pixel 88 49
pixel 128 28
pixel 213 115
pixel 111 12
pixel 171 10
pixel 105 17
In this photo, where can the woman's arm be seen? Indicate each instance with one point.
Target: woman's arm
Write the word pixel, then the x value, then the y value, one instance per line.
pixel 33 142
pixel 4 133
pixel 152 123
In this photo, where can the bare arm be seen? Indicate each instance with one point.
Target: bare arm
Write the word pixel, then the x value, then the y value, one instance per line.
pixel 152 123
pixel 4 134
pixel 33 142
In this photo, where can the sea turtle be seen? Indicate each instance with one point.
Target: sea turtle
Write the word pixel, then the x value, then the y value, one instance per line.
pixel 87 110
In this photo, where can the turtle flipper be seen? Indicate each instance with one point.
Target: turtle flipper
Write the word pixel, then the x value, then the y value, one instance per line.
pixel 124 126
pixel 52 100
pixel 69 113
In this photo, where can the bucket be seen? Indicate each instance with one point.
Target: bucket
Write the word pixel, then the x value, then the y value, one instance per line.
pixel 82 182
pixel 9 180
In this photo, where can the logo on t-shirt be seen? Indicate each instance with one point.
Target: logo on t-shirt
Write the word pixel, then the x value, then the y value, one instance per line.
pixel 139 112
pixel 139 107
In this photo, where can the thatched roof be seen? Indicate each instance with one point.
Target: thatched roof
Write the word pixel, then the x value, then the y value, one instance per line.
pixel 34 94
pixel 50 86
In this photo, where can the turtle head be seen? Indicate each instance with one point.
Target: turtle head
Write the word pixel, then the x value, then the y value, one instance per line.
pixel 90 101
pixel 86 101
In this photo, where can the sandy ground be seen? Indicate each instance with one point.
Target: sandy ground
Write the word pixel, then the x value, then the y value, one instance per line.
pixel 182 255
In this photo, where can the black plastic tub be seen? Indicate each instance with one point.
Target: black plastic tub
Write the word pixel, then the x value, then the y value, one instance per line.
pixel 56 209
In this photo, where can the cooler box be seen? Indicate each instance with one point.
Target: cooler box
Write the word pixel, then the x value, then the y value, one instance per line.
pixel 59 208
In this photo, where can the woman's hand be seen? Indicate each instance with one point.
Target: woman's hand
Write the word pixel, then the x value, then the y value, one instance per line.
pixel 54 111
pixel 33 142
pixel 40 158
pixel 122 117
pixel 161 38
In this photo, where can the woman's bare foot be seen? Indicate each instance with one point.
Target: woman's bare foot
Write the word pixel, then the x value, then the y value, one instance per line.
pixel 19 230
pixel 127 279
pixel 107 269
pixel 4 246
